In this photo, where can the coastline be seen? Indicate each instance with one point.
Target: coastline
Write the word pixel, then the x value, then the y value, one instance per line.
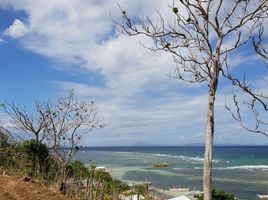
pixel 241 171
pixel 159 193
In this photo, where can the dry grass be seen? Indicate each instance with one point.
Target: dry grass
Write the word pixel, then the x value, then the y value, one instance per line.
pixel 15 188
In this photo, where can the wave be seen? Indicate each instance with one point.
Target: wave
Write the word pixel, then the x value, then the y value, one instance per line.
pixel 184 158
pixel 248 167
pixel 187 158
pixel 198 159
pixel 239 167
pixel 178 168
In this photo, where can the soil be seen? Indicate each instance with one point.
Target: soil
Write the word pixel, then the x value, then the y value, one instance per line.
pixel 16 188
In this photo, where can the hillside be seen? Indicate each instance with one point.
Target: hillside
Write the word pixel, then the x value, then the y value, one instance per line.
pixel 15 188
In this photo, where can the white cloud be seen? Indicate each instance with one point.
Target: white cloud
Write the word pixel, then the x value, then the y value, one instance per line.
pixel 2 41
pixel 6 122
pixel 172 118
pixel 135 96
pixel 17 29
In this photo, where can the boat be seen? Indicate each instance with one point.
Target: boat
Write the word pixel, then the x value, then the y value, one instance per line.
pixel 179 189
pixel 180 198
pixel 100 168
pixel 263 196
pixel 160 165
pixel 195 192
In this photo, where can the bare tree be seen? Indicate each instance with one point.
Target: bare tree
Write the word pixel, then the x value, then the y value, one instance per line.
pixel 200 37
pixel 68 121
pixel 258 108
pixel 259 45
pixel 63 124
pixel 26 121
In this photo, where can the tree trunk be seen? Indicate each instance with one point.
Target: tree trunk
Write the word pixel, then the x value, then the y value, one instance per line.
pixel 0 140
pixel 36 137
pixel 207 174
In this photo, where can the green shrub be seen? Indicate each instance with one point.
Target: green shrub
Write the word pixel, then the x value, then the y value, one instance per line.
pixel 218 195
pixel 4 140
pixel 102 175
pixel 37 153
pixel 111 185
pixel 77 169
pixel 51 169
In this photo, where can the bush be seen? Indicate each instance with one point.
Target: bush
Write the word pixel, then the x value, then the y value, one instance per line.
pixel 37 153
pixel 4 140
pixel 51 169
pixel 77 169
pixel 218 195
pixel 102 175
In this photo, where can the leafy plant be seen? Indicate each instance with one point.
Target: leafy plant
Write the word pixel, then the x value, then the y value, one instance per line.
pixel 37 153
pixel 102 175
pixel 78 170
pixel 217 195
pixel 4 138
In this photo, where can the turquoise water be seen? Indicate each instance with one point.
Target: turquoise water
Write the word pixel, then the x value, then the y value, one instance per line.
pixel 240 170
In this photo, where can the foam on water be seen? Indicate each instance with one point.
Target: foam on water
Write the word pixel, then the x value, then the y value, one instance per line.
pixel 184 158
pixel 240 167
pixel 249 167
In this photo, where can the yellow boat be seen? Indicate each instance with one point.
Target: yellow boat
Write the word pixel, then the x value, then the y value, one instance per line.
pixel 160 165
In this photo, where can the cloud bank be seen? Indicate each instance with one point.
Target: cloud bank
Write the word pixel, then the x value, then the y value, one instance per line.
pixel 137 99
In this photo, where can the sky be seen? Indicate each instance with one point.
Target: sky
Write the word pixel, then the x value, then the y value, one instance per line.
pixel 49 47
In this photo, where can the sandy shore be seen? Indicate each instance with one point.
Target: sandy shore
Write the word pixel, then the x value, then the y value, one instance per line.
pixel 119 172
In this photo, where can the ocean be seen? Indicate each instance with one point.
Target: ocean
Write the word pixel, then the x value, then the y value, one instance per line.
pixel 240 170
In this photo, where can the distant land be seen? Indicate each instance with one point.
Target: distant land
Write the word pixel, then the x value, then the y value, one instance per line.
pixel 224 144
pixel 179 145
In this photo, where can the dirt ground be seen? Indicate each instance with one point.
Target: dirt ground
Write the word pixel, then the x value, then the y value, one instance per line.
pixel 15 188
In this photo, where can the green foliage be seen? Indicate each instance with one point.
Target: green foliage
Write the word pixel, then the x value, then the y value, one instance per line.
pixel 102 175
pixel 77 169
pixel 32 158
pixel 4 140
pixel 110 183
pixel 5 137
pixel 51 169
pixel 218 195
pixel 122 186
pixel 37 153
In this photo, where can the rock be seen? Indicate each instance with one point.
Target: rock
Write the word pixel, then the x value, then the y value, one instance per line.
pixel 27 178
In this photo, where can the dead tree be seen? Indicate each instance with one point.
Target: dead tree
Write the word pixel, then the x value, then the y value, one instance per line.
pixel 200 37
pixel 257 103
pixel 63 124
pixel 26 121
pixel 68 121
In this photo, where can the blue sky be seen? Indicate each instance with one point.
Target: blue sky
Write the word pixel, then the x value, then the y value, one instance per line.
pixel 49 47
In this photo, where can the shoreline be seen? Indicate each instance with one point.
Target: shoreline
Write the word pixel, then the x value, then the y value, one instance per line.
pixel 235 172
pixel 159 193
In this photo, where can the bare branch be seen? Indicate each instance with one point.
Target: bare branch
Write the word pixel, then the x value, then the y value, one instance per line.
pixel 67 122
pixel 200 37
pixel 259 47
pixel 260 126
pixel 26 122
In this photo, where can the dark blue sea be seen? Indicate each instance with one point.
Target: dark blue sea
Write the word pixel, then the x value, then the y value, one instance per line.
pixel 240 170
